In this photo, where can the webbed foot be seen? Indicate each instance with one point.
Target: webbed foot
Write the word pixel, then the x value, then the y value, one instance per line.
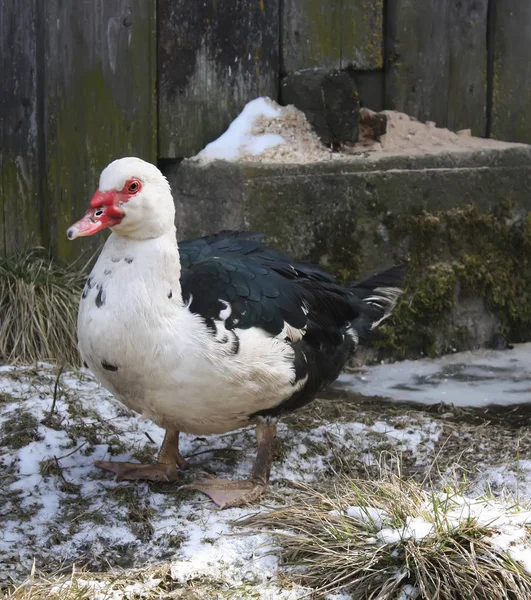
pixel 229 494
pixel 126 470
pixel 164 470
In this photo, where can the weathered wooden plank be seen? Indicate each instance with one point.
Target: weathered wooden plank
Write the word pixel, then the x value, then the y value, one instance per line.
pixel 19 170
pixel 467 80
pixel 311 34
pixel 333 34
pixel 100 101
pixel 362 34
pixel 437 61
pixel 511 97
pixel 213 58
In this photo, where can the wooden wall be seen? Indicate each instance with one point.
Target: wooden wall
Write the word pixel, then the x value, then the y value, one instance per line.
pixel 331 33
pixel 437 61
pixel 511 87
pixel 213 58
pixel 88 81
pixel 20 127
pixel 80 90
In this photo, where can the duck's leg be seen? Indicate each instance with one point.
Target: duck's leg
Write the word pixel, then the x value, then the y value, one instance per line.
pixel 226 493
pixel 163 470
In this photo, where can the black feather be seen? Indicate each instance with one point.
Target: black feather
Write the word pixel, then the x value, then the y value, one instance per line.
pixel 268 290
pixel 100 298
pixel 108 366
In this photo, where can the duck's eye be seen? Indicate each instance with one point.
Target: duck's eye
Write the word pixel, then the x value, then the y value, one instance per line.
pixel 133 187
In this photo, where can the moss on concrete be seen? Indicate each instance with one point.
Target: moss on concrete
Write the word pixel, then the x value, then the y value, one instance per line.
pixel 453 255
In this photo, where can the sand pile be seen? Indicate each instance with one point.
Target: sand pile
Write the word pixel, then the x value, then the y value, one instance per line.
pixel 267 132
pixel 407 135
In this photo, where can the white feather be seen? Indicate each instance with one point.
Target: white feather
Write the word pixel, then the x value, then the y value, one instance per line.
pixel 226 312
pixel 384 298
pixel 292 333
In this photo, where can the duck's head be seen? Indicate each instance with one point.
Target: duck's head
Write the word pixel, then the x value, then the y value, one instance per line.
pixel 133 199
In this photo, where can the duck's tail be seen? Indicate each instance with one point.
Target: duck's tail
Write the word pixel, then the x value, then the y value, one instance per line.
pixel 379 294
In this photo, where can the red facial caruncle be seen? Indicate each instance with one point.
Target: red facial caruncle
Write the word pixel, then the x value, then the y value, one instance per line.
pixel 105 210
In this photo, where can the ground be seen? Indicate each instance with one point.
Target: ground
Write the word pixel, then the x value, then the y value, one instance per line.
pixel 57 509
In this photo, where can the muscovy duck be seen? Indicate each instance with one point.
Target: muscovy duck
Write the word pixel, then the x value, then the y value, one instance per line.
pixel 212 334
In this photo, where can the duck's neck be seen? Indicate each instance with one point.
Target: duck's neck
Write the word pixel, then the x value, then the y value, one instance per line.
pixel 154 262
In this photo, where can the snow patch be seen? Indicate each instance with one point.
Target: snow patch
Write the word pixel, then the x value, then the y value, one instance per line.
pixel 476 379
pixel 415 528
pixel 56 507
pixel 239 139
pixel 505 523
pixel 408 592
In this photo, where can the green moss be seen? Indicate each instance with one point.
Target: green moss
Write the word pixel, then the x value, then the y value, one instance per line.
pixel 338 248
pixel 91 126
pixel 453 255
pixel 351 31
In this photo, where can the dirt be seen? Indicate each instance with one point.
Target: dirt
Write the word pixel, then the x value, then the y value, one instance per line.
pixel 407 135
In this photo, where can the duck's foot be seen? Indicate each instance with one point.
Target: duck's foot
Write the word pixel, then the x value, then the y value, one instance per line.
pixel 125 470
pixel 228 494
pixel 164 470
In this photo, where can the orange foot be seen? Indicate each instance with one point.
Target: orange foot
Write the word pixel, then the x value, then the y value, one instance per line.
pixel 229 494
pixel 126 470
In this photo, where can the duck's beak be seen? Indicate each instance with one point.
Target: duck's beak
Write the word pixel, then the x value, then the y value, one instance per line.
pixel 104 212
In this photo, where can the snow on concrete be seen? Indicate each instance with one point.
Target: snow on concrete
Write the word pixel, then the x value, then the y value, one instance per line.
pixel 267 132
pixel 477 379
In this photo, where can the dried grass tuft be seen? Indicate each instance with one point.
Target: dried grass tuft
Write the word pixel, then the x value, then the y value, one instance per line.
pixel 149 583
pixel 331 551
pixel 38 308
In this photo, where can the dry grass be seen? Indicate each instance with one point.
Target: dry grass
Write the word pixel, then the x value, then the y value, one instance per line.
pixel 148 583
pixel 328 549
pixel 38 308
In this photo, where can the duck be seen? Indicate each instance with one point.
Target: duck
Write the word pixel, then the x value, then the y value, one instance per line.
pixel 213 334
